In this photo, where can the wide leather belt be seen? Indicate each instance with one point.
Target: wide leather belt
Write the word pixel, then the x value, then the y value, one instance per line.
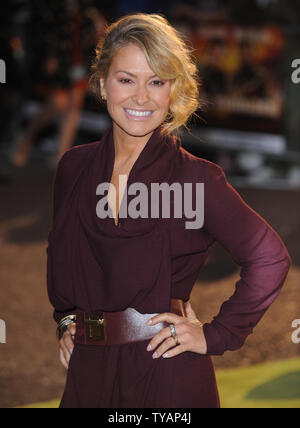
pixel 109 328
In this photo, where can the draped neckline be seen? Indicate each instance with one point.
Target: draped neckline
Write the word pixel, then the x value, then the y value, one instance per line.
pixel 138 163
pixel 154 163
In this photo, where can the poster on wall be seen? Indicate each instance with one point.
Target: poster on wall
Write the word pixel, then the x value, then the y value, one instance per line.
pixel 240 69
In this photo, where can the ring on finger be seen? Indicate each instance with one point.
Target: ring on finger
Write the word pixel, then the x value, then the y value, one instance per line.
pixel 173 330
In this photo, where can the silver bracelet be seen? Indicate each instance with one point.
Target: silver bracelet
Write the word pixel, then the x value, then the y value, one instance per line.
pixel 63 324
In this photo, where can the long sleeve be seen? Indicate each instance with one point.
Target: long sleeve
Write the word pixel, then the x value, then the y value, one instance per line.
pixel 61 184
pixel 57 314
pixel 254 246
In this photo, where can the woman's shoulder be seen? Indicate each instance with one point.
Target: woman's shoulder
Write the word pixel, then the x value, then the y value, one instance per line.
pixel 77 153
pixel 73 161
pixel 198 166
pixel 73 158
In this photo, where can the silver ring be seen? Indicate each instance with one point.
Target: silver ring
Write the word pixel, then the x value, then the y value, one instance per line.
pixel 173 331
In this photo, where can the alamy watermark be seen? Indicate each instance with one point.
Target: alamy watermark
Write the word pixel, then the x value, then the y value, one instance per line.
pixel 296 333
pixel 296 72
pixel 2 331
pixel 138 206
pixel 2 71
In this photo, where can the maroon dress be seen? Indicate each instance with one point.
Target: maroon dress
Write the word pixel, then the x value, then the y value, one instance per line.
pixel 97 266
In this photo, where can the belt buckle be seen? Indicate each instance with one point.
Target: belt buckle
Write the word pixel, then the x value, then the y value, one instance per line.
pixel 94 328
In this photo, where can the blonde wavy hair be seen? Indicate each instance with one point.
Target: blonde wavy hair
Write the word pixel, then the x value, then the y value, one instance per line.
pixel 168 55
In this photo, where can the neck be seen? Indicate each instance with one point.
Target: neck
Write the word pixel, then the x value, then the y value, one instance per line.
pixel 128 147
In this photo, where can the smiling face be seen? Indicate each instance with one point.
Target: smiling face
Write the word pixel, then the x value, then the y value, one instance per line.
pixel 137 100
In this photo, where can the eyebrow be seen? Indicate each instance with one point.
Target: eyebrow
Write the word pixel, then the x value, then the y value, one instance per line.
pixel 133 75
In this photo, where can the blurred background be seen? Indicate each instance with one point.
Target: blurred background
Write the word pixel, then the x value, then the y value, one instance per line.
pixel 249 124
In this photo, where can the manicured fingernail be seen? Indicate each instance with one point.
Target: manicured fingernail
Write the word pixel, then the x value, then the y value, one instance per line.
pixel 165 355
pixel 149 347
pixel 149 322
pixel 155 355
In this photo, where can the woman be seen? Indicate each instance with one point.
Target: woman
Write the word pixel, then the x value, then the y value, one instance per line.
pixel 115 270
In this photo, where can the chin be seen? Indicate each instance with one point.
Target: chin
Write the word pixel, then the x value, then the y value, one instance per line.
pixel 138 129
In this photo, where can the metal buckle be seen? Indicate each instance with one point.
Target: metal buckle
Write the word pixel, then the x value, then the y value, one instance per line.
pixel 94 327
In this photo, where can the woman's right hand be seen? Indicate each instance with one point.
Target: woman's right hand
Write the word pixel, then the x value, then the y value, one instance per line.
pixel 66 345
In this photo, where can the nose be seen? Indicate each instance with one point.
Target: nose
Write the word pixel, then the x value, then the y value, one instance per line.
pixel 141 95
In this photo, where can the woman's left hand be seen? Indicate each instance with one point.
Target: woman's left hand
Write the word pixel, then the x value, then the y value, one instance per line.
pixel 189 332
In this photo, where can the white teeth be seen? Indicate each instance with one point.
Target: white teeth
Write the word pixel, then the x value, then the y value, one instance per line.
pixel 138 113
